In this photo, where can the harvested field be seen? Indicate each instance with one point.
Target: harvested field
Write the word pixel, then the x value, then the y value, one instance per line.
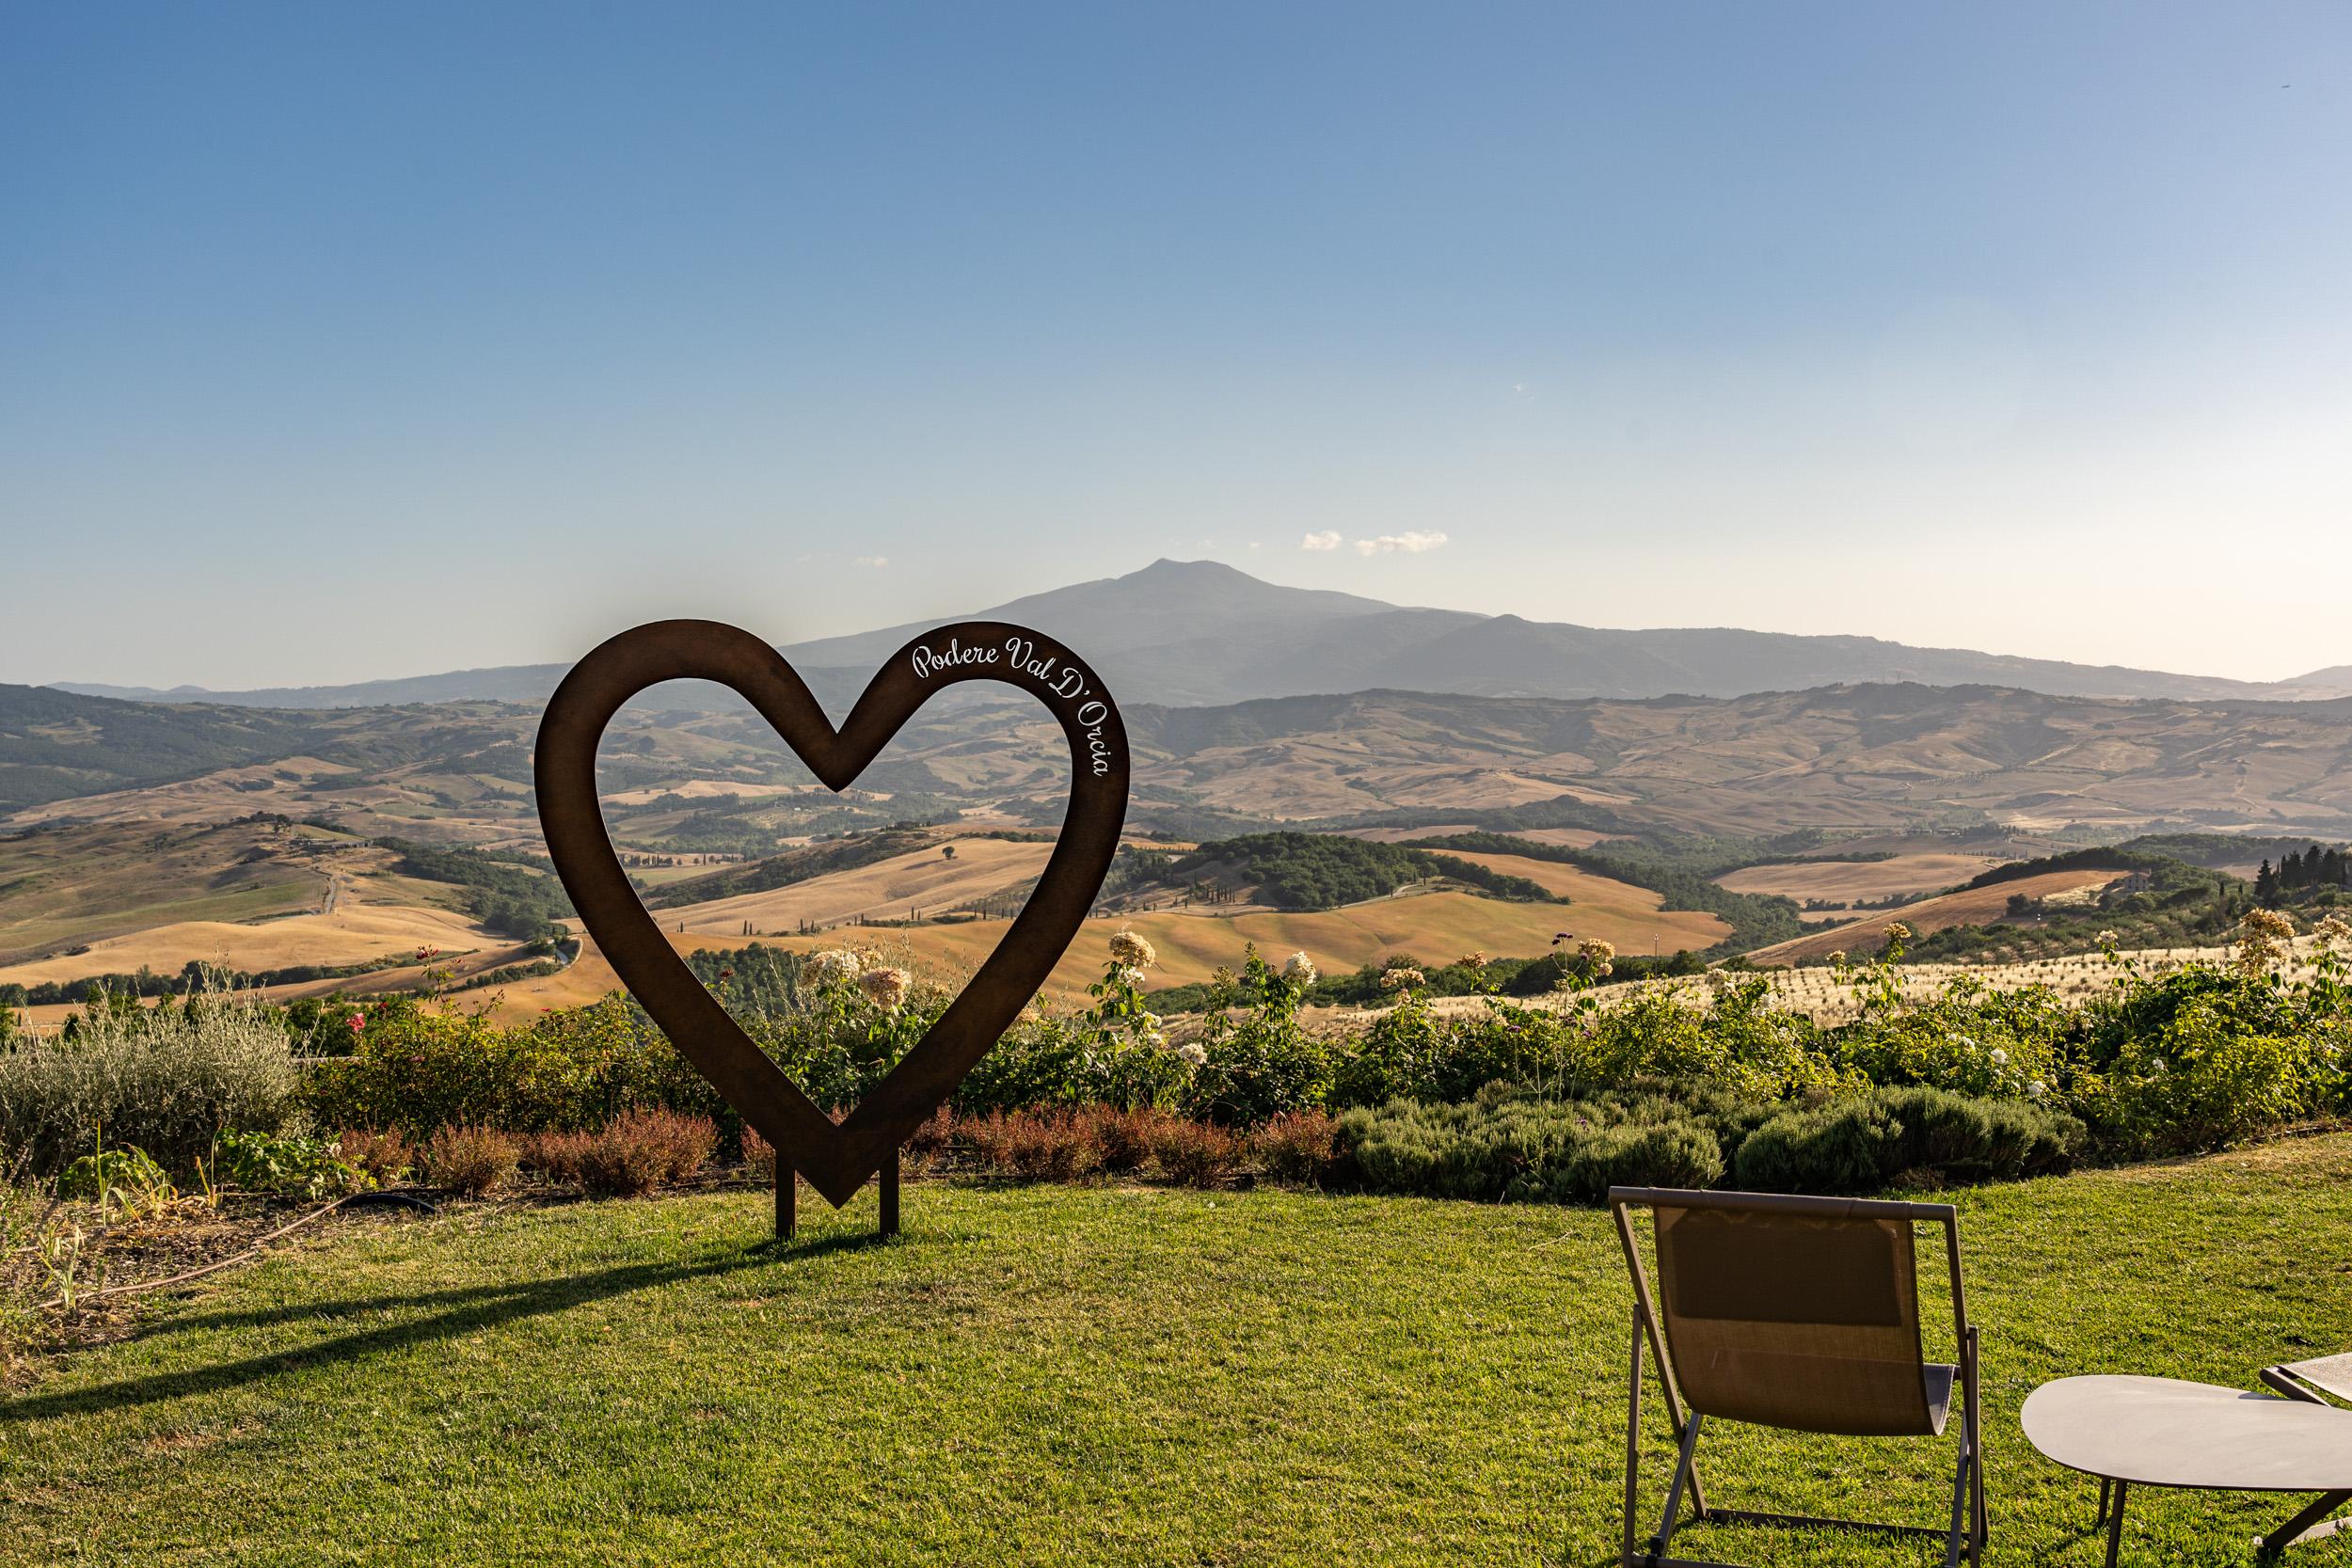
pixel 1846 881
pixel 1970 907
pixel 923 879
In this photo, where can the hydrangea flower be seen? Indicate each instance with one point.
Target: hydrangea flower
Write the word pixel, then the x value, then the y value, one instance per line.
pixel 887 986
pixel 1131 950
pixel 833 966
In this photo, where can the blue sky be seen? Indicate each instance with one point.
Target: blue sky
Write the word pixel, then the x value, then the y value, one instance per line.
pixel 344 341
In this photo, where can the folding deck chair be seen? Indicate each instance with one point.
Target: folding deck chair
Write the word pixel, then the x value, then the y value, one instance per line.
pixel 1800 1313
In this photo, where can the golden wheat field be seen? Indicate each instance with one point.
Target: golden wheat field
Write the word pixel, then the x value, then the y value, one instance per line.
pixel 1845 881
pixel 357 931
pixel 1976 906
pixel 892 889
pixel 1628 918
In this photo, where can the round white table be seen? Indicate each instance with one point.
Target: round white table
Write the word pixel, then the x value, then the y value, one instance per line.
pixel 2156 1431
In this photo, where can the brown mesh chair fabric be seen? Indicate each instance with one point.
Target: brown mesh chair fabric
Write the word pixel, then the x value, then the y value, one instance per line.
pixel 1803 1321
pixel 1800 1313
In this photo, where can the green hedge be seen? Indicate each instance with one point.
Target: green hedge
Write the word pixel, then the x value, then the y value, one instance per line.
pixel 1870 1144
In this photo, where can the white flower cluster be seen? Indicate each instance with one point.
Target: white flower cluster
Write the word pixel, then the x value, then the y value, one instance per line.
pixel 835 966
pixel 1300 970
pixel 1131 950
pixel 1402 978
pixel 887 986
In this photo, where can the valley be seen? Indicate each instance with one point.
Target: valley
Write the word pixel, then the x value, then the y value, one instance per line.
pixel 264 838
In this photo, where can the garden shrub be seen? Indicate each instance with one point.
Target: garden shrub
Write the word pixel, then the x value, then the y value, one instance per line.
pixel 1294 1148
pixel 126 1174
pixel 469 1160
pixel 1264 1062
pixel 1838 1148
pixel 2204 1082
pixel 384 1155
pixel 1863 1144
pixel 1194 1153
pixel 1647 1154
pixel 289 1165
pixel 1520 1145
pixel 416 1069
pixel 639 1152
pixel 1035 1145
pixel 168 1079
pixel 560 1157
pixel 1123 1138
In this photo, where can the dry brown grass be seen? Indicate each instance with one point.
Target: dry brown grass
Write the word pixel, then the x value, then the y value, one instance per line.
pixel 1977 906
pixel 1845 881
pixel 925 879
pixel 1629 918
pixel 357 932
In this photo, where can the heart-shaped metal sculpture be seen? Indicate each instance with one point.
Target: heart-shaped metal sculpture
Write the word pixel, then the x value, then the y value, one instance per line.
pixel 834 1158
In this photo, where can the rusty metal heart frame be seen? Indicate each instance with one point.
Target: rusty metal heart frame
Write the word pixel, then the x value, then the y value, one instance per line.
pixel 835 1159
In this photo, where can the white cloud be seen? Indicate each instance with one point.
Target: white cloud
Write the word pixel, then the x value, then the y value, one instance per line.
pixel 877 561
pixel 1412 543
pixel 1327 540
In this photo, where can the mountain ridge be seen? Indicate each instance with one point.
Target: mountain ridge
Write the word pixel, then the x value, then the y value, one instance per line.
pixel 1202 634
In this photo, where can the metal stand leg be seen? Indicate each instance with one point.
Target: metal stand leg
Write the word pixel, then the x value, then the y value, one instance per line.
pixel 2306 1526
pixel 788 1201
pixel 1627 1556
pixel 2115 1522
pixel 1673 1492
pixel 2107 1494
pixel 889 1179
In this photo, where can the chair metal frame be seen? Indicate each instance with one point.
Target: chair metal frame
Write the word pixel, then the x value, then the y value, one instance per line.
pixel 2312 1522
pixel 1967 1532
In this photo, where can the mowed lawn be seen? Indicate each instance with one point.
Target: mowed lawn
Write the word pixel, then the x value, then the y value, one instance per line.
pixel 1051 1375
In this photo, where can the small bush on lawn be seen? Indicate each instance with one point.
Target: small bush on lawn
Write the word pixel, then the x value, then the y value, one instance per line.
pixel 557 1157
pixel 1294 1148
pixel 1867 1143
pixel 759 1154
pixel 929 1143
pixel 385 1156
pixel 637 1152
pixel 1195 1153
pixel 169 1079
pixel 469 1160
pixel 1036 1146
pixel 1521 1147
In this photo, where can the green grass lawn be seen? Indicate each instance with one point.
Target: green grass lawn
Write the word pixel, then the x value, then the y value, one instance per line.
pixel 1102 1376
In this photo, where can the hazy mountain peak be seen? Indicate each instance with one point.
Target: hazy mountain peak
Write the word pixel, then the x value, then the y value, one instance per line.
pixel 1202 632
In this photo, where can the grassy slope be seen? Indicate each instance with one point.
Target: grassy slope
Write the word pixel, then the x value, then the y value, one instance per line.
pixel 1618 912
pixel 923 880
pixel 1850 880
pixel 1103 1376
pixel 1975 906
